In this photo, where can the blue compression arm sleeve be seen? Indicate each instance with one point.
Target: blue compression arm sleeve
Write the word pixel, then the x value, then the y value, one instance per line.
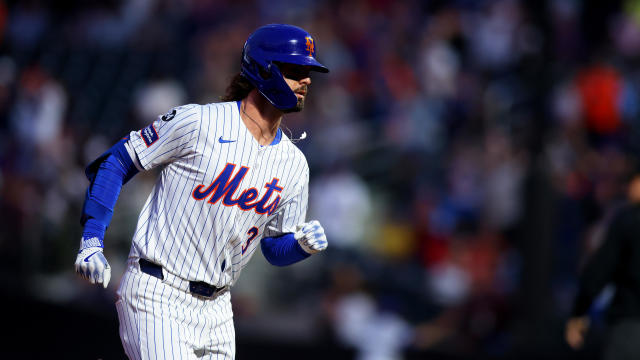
pixel 282 250
pixel 107 174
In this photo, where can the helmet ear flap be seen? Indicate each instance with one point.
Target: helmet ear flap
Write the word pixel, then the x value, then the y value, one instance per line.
pixel 265 73
pixel 269 82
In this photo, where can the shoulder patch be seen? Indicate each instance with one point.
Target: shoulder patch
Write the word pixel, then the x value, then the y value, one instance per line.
pixel 170 115
pixel 149 135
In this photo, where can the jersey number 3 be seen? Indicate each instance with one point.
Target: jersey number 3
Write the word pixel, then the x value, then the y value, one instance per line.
pixel 253 232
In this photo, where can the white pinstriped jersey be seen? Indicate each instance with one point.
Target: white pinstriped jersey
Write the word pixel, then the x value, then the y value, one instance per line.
pixel 218 194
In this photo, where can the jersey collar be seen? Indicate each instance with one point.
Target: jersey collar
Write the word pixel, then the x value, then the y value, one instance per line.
pixel 276 140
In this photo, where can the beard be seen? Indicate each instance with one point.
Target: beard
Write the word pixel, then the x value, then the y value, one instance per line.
pixel 300 104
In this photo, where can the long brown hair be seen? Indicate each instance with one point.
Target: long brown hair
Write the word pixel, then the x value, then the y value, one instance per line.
pixel 238 89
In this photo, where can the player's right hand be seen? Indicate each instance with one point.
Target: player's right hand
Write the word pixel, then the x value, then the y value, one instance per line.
pixel 311 237
pixel 91 263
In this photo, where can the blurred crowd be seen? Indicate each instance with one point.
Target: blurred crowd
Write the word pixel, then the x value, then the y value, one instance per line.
pixel 465 155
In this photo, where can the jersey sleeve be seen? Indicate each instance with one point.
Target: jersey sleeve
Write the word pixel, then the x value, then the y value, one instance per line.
pixel 293 211
pixel 169 137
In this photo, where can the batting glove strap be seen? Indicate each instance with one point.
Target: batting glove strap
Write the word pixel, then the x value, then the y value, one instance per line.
pixel 94 242
pixel 311 237
pixel 91 263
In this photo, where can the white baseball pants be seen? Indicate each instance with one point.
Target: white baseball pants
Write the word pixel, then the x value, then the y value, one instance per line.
pixel 160 321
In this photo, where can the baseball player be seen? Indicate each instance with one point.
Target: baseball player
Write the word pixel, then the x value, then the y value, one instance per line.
pixel 231 182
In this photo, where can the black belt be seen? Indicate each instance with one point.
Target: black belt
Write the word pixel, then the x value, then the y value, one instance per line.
pixel 196 287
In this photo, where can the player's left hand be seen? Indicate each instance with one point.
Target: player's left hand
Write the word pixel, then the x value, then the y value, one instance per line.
pixel 91 263
pixel 311 237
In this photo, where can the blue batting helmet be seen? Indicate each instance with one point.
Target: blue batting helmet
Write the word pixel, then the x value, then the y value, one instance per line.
pixel 277 43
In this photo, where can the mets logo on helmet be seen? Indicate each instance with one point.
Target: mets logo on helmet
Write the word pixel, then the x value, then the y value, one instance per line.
pixel 310 47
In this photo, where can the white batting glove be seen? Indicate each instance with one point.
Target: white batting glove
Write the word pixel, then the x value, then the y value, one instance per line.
pixel 311 237
pixel 91 263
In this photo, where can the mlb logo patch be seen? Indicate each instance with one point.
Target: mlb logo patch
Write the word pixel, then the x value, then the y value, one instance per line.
pixel 149 135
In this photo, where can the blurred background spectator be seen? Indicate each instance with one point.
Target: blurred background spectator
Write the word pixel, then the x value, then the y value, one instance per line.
pixel 464 157
pixel 612 263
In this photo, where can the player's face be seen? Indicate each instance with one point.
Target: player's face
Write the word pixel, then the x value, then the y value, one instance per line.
pixel 298 79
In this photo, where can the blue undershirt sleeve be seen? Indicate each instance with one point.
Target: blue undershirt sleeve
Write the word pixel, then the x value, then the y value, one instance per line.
pixel 282 250
pixel 107 175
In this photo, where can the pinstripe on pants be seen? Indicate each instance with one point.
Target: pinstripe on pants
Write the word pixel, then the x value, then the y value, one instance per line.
pixel 159 321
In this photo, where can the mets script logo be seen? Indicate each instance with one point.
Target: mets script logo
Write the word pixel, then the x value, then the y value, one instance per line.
pixel 225 186
pixel 310 46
